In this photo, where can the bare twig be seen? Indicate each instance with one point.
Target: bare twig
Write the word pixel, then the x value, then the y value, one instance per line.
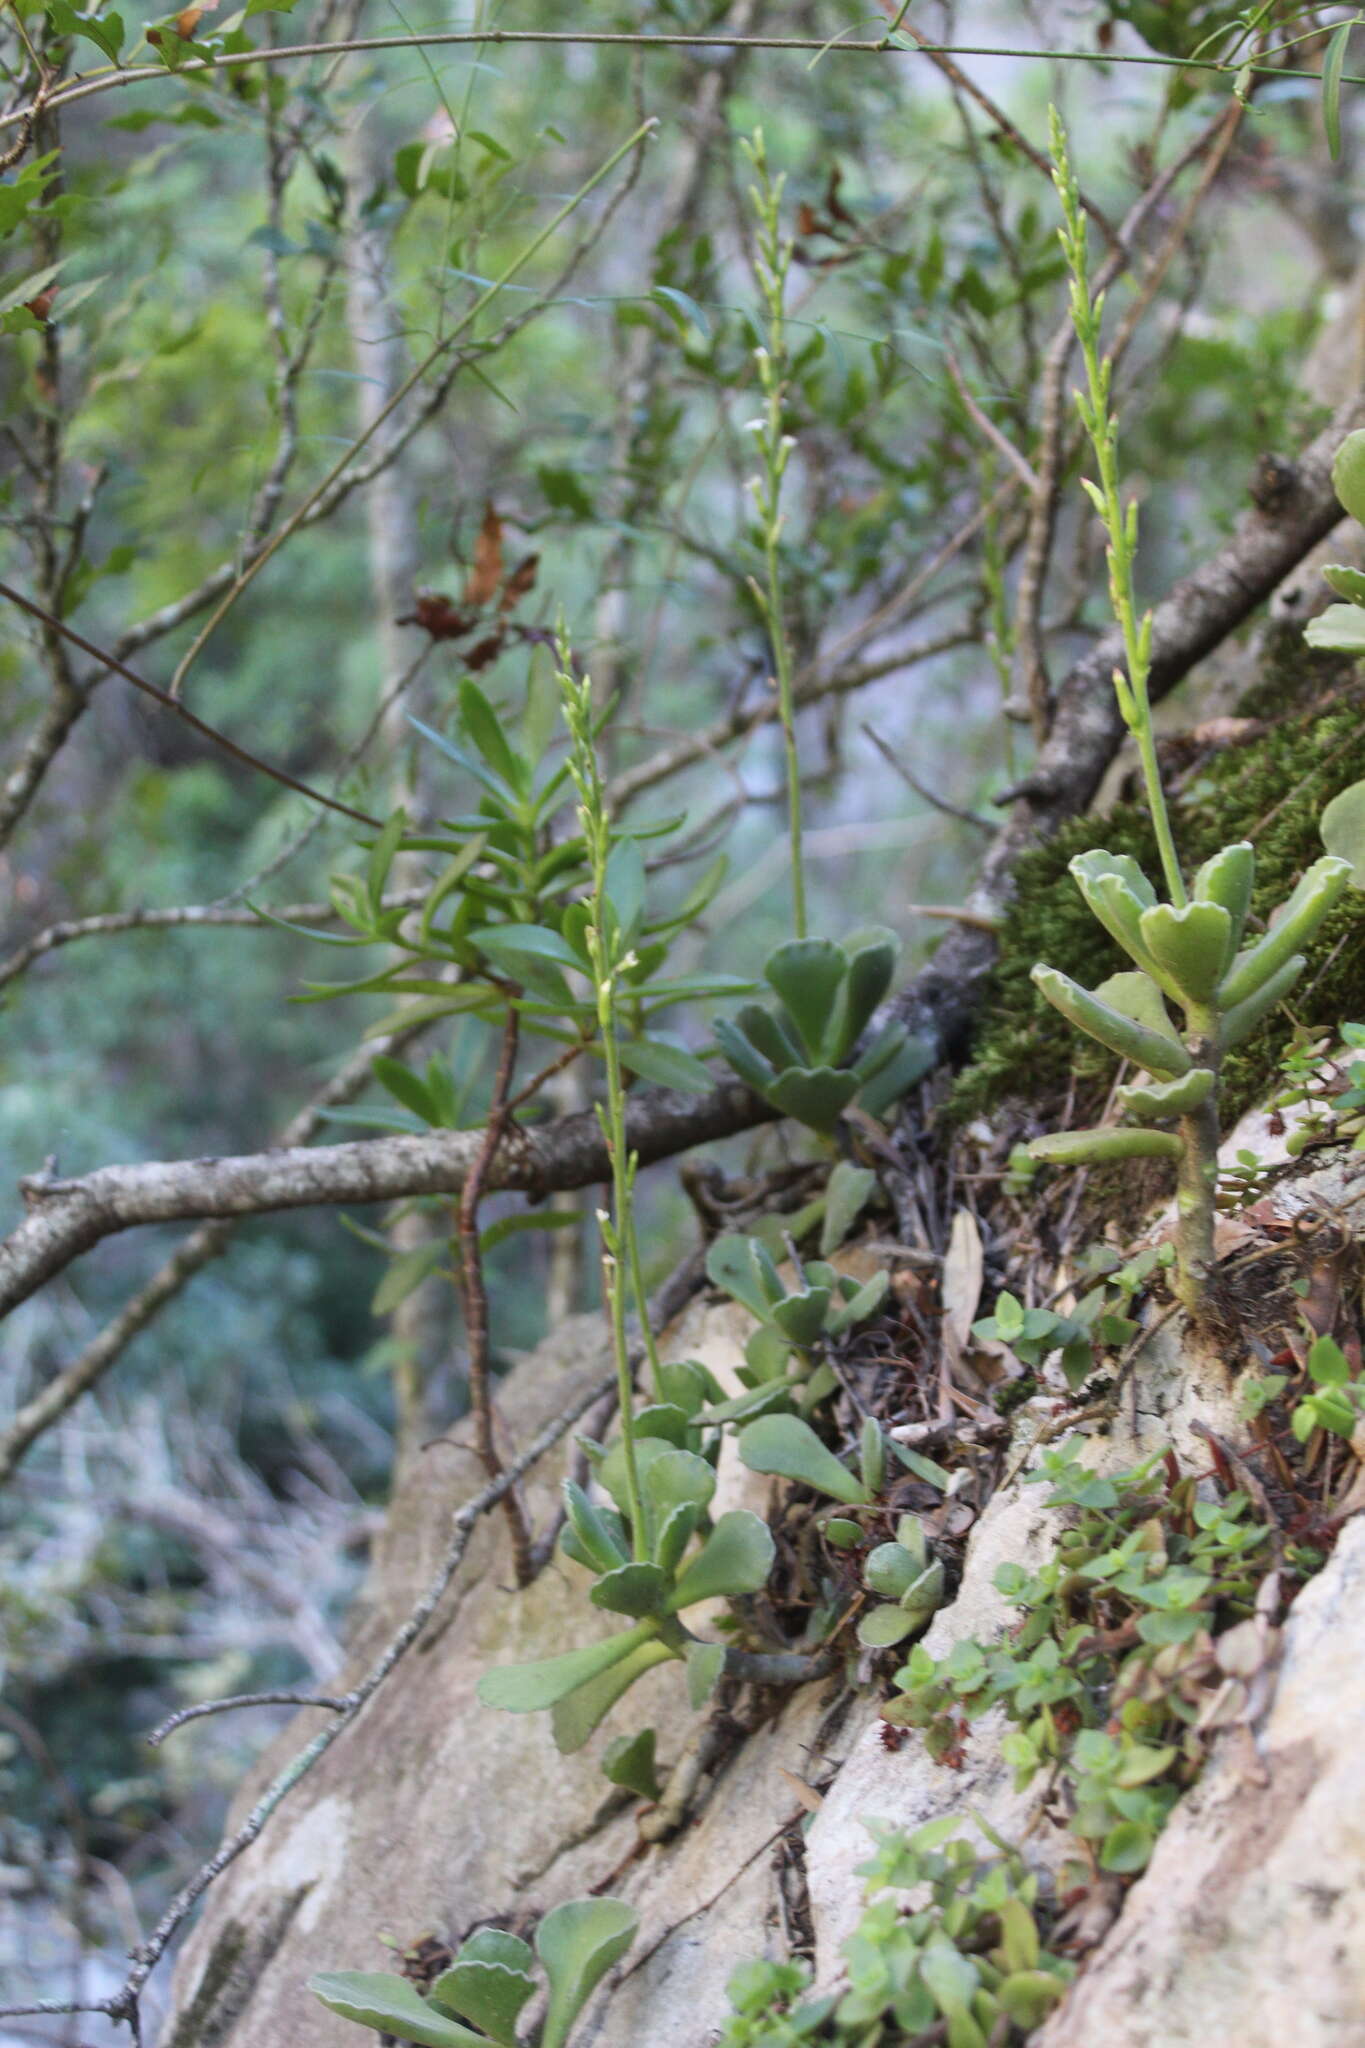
pixel 242 1699
pixel 893 760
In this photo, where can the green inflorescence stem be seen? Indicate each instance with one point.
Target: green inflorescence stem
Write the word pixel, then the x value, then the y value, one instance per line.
pixel 771 266
pixel 1120 522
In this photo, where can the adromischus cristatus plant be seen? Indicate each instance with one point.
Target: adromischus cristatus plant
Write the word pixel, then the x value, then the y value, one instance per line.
pixel 1187 949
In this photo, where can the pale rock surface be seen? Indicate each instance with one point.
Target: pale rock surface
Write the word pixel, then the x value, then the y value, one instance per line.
pixel 1249 1924
pixel 435 1812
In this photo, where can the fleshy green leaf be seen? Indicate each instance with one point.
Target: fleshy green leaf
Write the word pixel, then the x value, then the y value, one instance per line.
pixel 486 1988
pixel 1190 945
pixel 1239 1023
pixel 847 1194
pixel 1348 474
pixel 633 1589
pixel 1302 914
pixel 705 1662
pixel 1343 829
pixel 527 1688
pixel 816 1096
pixel 1227 878
pixel 808 974
pixel 1338 630
pixel 890 1570
pixel 1103 1147
pixel 736 1558
pixel 1154 1050
pixel 880 1627
pixel 391 2005
pixel 1347 583
pixel 1168 1098
pixel 577 1714
pixel 742 1267
pixel 578 1943
pixel 629 1761
pixel 790 1449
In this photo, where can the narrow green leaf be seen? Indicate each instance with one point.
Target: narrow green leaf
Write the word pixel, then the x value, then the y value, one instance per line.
pixel 527 1688
pixel 736 1558
pixel 1333 64
pixel 579 1713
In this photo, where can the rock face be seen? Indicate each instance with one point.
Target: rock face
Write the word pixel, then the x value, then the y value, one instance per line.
pixel 434 1813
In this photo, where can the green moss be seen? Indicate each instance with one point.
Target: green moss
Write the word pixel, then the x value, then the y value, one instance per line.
pixel 1271 792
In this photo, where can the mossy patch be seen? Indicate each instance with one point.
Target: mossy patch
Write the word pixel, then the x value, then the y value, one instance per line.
pixel 1272 792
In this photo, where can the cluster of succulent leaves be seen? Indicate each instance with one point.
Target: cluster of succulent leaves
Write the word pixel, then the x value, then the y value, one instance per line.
pixel 907 1583
pixel 507 911
pixel 796 1055
pixel 783 1364
pixel 964 1953
pixel 647 1574
pixel 1106 1673
pixel 1192 954
pixel 477 2001
pixel 1099 1321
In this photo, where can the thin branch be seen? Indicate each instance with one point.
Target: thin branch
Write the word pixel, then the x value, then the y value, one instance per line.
pixel 200 1249
pixel 169 703
pixel 231 60
pixel 68 1217
pixel 893 760
pixel 242 1699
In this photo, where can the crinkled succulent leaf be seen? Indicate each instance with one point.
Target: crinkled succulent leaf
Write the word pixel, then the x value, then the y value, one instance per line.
pixel 753 1069
pixel 911 1537
pixel 689 1385
pixel 674 1536
pixel 1343 830
pixel 663 1419
pixel 1117 892
pixel 849 1190
pixel 1123 1034
pixel 801 1317
pixel 528 1688
pixel 872 1455
pixel 1137 996
pixel 391 2005
pixel 771 1034
pixel 1348 474
pixel 871 961
pixel 488 1984
pixel 1302 914
pixel 766 1352
pixel 705 1662
pixel 598 1541
pixel 1239 1022
pixel 1104 1147
pixel 890 1570
pixel 808 975
pixel 884 1049
pixel 915 1057
pixel 578 1943
pixel 1189 945
pixel 1338 630
pixel 817 1096
pixel 675 1479
pixel 633 1589
pixel 789 1448
pixel 1228 877
pixel 1168 1098
pixel 842 1533
pixel 732 1263
pixel 1347 583
pixel 736 1558
pixel 629 1762
pixel 577 1714
pixel 925 1593
pixel 862 1303
pixel 880 1627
